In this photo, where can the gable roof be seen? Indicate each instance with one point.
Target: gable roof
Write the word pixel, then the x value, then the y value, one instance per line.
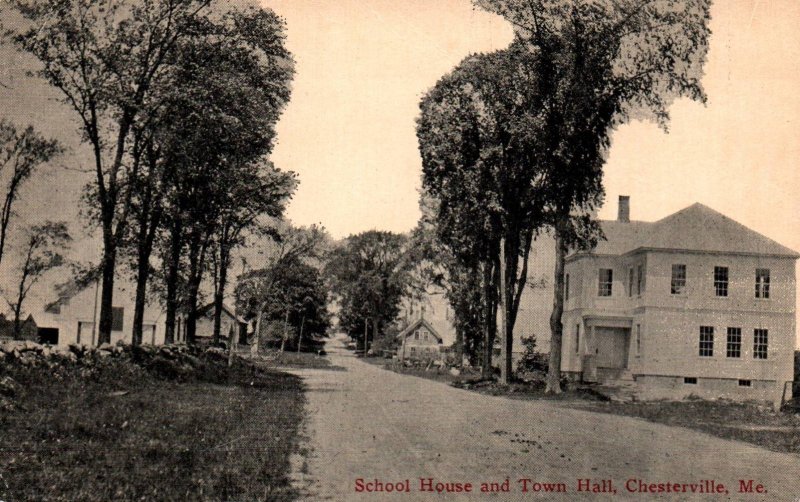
pixel 695 228
pixel 225 308
pixel 414 325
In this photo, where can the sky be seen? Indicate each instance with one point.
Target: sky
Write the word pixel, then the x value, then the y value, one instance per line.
pixel 364 65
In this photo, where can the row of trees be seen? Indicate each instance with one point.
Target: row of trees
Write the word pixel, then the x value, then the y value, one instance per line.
pixel 177 101
pixel 513 144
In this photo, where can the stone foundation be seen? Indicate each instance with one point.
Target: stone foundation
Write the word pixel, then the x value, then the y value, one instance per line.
pixel 650 387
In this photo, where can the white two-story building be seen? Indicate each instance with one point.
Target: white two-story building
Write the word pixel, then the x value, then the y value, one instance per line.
pixel 692 304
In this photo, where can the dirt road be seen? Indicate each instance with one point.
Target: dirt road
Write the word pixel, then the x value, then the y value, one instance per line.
pixel 370 424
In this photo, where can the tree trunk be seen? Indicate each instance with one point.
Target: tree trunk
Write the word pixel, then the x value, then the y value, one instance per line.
pixel 17 323
pixel 257 338
pixel 107 294
pixel 197 252
pixel 300 339
pixel 459 348
pixel 375 328
pixel 219 294
pixel 173 269
pixel 489 321
pixel 556 327
pixel 234 341
pixel 285 330
pixel 142 273
pixel 505 329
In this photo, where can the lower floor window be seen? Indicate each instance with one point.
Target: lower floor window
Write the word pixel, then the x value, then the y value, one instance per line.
pixel 706 341
pixel 760 342
pixel 745 383
pixel 690 380
pixel 734 348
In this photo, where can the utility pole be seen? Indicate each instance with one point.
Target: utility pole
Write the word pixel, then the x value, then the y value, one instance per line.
pixel 366 320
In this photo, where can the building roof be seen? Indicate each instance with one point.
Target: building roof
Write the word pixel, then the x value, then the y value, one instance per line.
pixel 225 308
pixel 695 228
pixel 414 325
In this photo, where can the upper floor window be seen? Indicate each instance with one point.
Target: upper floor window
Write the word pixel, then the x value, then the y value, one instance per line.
pixel 416 335
pixel 566 287
pixel 734 348
pixel 678 286
pixel 762 283
pixel 639 280
pixel 721 281
pixel 117 318
pixel 706 341
pixel 760 339
pixel 605 282
pixel 630 281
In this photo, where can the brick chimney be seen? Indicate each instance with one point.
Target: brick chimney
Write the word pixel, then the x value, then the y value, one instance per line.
pixel 624 214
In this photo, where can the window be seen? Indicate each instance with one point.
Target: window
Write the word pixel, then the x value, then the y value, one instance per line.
pixel 721 281
pixel 678 286
pixel 577 338
pixel 425 334
pixel 566 287
pixel 416 335
pixel 745 383
pixel 606 279
pixel 762 283
pixel 639 280
pixel 690 380
pixel 706 341
pixel 117 317
pixel 734 348
pixel 630 281
pixel 638 339
pixel 760 339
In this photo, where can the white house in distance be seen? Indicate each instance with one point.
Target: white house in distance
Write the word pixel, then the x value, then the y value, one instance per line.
pixel 419 341
pixel 692 304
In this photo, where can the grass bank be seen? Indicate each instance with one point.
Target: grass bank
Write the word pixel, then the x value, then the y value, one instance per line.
pixel 122 430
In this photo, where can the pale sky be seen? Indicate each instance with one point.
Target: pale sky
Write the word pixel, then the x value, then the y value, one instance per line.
pixel 363 65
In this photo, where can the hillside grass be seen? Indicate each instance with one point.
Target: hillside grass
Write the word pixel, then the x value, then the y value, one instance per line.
pixel 117 431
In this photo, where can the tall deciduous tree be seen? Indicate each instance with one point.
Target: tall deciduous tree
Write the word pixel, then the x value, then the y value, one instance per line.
pixel 600 64
pixel 41 253
pixel 232 85
pixel 105 57
pixel 21 153
pixel 258 192
pixel 255 290
pixel 369 275
pixel 479 132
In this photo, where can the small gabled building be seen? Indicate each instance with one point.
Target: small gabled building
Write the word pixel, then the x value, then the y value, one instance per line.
pixel 692 304
pixel 229 323
pixel 419 341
